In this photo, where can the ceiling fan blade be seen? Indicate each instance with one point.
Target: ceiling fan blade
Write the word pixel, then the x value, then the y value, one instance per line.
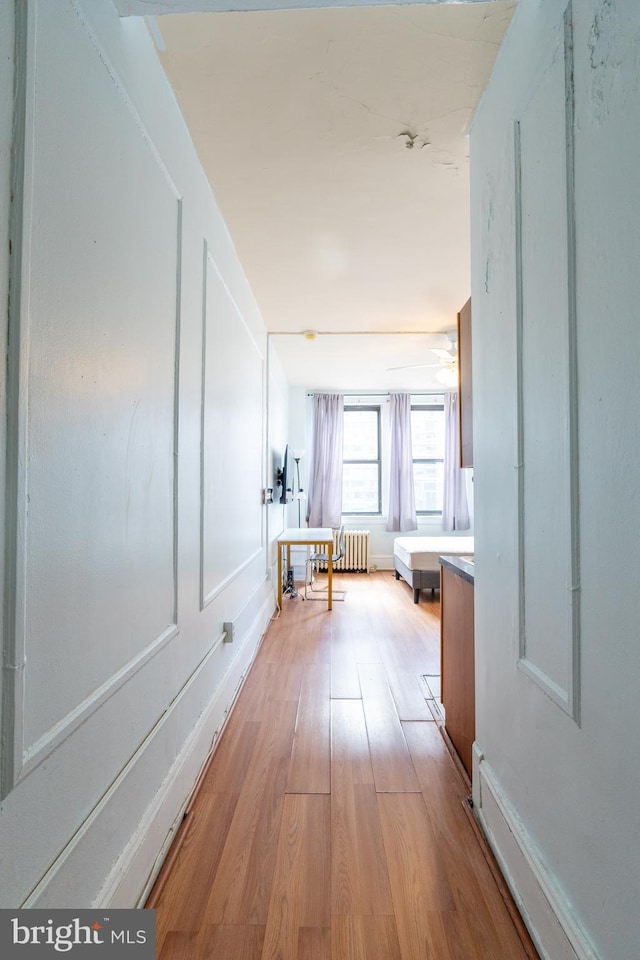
pixel 443 354
pixel 412 366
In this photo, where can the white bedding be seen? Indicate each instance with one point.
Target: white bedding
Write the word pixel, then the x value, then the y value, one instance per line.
pixel 422 553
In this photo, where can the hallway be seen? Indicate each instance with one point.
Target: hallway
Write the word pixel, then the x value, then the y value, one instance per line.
pixel 331 821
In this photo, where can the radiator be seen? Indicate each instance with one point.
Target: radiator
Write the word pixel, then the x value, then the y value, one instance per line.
pixel 355 558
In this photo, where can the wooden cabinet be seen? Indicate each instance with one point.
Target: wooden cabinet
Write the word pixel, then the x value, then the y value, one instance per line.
pixel 466 386
pixel 457 653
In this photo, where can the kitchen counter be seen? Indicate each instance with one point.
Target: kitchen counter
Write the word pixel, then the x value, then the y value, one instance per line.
pixel 463 566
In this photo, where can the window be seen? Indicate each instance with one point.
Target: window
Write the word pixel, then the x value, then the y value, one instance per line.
pixel 362 467
pixel 427 438
pixel 361 456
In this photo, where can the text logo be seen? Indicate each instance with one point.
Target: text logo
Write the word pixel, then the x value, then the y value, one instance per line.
pixel 28 934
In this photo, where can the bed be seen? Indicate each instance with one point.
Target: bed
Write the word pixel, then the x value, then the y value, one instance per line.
pixel 416 559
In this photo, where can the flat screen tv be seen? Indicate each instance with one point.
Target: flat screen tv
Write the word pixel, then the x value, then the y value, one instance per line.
pixel 285 477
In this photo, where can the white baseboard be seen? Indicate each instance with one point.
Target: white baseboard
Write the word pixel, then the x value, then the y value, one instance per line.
pixel 381 562
pixel 138 866
pixel 556 932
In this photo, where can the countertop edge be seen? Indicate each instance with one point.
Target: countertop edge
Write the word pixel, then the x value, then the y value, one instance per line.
pixel 463 568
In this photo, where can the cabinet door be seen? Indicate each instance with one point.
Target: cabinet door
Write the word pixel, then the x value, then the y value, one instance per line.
pixel 458 666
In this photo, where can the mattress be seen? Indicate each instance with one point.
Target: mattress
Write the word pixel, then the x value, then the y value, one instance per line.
pixel 422 553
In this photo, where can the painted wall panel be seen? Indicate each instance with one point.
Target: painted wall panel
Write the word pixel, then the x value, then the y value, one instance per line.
pixel 231 443
pixel 98 483
pixel 547 417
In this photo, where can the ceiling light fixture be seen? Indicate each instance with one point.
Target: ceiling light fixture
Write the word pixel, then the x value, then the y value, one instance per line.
pixel 448 376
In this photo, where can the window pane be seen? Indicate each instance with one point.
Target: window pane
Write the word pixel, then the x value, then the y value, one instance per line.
pixel 429 483
pixel 360 488
pixel 360 435
pixel 427 434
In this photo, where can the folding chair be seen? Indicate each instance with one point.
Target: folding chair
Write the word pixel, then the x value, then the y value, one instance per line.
pixel 313 562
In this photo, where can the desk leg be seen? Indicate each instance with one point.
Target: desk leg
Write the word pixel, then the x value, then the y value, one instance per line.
pixel 330 581
pixel 279 575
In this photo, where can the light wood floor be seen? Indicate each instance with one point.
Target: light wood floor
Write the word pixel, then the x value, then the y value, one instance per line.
pixel 331 824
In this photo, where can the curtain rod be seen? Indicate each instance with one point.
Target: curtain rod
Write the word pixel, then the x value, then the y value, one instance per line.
pixel 361 333
pixel 385 393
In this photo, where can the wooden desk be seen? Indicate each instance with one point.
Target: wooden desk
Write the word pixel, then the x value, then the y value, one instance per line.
pixel 306 537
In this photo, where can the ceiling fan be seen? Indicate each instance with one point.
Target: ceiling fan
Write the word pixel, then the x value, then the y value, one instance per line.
pixel 447 362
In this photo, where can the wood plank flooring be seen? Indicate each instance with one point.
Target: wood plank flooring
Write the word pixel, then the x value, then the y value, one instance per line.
pixel 330 823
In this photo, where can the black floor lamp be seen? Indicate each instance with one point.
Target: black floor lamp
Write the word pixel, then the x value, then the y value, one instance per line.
pixel 297 456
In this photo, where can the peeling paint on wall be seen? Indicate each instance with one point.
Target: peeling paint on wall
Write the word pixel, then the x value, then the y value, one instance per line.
pixel 487 204
pixel 412 139
pixel 609 48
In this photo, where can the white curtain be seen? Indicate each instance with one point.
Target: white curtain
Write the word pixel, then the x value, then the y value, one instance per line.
pixel 402 499
pixel 324 506
pixel 455 510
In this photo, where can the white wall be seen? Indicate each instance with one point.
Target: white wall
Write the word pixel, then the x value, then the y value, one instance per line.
pixel 7 15
pixel 137 458
pixel 557 530
pixel 278 436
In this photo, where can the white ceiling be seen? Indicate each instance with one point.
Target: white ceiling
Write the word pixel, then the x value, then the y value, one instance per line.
pixel 336 144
